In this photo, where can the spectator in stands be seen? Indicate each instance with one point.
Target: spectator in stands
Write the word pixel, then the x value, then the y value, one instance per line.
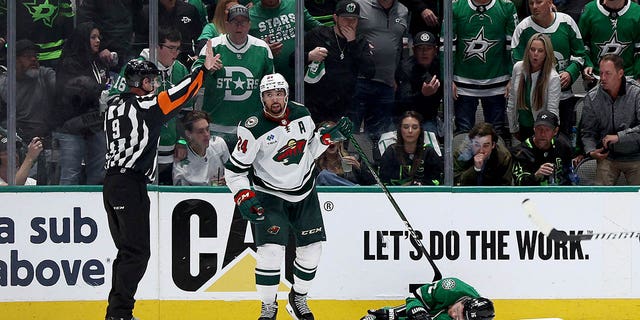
pixel 80 78
pixel 420 82
pixel 568 50
pixel 343 54
pixel 200 7
pixel 480 160
pixel 384 23
pixel 611 26
pixel 425 15
pixel 178 15
pixel 409 162
pixel 271 21
pixel 482 62
pixel 115 19
pixel 46 28
pixel 35 97
pixel 172 71
pixel 206 154
pixel 217 24
pixel 232 92
pixel 339 168
pixel 610 124
pixel 22 174
pixel 535 86
pixel 543 159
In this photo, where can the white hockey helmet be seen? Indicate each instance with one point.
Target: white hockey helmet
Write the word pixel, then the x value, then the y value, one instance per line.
pixel 274 81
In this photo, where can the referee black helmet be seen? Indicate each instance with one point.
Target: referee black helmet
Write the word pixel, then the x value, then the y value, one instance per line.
pixel 138 70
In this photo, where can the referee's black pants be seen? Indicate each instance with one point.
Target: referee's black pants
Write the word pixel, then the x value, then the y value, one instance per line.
pixel 127 204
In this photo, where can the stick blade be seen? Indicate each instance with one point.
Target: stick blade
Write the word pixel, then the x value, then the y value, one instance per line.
pixel 531 211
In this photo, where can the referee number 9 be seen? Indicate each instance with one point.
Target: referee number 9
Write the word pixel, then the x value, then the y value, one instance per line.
pixel 115 129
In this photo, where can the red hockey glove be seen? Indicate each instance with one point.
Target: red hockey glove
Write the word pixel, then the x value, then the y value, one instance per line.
pixel 249 206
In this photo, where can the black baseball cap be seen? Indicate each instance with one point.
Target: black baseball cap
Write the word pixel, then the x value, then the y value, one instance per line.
pixel 348 8
pixel 547 118
pixel 24 45
pixel 425 38
pixel 237 10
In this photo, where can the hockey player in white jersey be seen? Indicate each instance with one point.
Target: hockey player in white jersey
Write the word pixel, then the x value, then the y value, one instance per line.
pixel 278 146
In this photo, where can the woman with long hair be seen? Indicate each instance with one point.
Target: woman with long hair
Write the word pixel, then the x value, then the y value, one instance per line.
pixel 535 86
pixel 339 168
pixel 216 27
pixel 80 78
pixel 409 161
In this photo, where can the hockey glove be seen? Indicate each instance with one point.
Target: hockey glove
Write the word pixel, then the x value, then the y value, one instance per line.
pixel 418 313
pixel 340 132
pixel 249 206
pixel 380 314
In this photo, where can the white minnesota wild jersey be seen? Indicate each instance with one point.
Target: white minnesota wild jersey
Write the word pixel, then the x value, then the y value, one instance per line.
pixel 482 43
pixel 567 44
pixel 281 155
pixel 618 33
pixel 232 93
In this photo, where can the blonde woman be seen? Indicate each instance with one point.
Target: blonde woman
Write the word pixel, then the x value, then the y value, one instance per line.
pixel 216 27
pixel 535 86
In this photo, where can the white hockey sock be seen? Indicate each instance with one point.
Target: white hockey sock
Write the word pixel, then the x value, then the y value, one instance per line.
pixel 305 265
pixel 268 261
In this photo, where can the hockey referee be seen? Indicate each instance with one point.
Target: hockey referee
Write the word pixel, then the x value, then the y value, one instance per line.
pixel 132 124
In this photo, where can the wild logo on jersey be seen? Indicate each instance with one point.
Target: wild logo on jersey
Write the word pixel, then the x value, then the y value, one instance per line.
pixel 238 83
pixel 478 46
pixel 291 153
pixel 279 28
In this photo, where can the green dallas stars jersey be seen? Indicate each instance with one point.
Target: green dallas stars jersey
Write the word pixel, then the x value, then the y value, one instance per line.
pixel 567 44
pixel 279 24
pixel 482 63
pixel 437 297
pixel 232 93
pixel 607 32
pixel 281 155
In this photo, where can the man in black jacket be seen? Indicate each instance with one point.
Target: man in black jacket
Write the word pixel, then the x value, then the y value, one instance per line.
pixel 543 159
pixel 343 56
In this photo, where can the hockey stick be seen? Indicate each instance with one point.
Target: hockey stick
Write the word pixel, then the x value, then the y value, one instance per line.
pixel 437 275
pixel 559 235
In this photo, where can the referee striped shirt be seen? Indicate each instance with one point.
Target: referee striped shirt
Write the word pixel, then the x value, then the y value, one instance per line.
pixel 132 124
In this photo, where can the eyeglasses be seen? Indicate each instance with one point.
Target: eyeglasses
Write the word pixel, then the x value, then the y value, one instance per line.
pixel 239 23
pixel 171 48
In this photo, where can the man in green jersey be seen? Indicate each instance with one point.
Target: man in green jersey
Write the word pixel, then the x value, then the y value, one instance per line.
pixel 611 26
pixel 274 21
pixel 445 299
pixel 231 93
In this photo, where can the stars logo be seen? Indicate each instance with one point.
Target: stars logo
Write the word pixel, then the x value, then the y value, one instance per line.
pixel 239 83
pixel 613 45
pixel 478 46
pixel 185 19
pixel 42 11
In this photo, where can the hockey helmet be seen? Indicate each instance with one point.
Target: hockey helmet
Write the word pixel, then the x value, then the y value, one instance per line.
pixel 478 309
pixel 138 70
pixel 274 81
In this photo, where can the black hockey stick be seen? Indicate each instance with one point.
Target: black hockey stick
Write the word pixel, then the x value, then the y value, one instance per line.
pixel 437 275
pixel 559 235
